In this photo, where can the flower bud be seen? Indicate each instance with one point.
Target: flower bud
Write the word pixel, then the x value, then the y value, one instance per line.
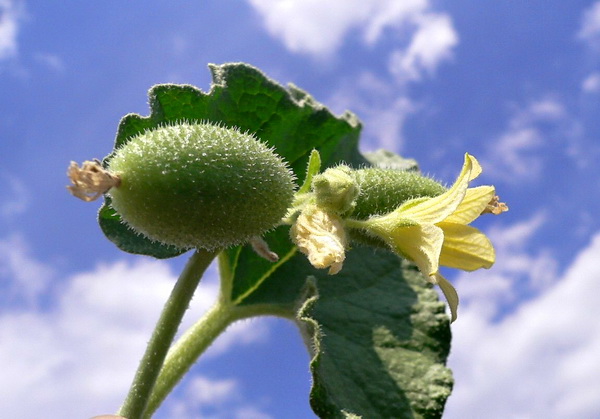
pixel 335 189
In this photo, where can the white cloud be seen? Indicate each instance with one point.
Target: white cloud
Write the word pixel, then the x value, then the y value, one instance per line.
pixel 23 278
pixel 310 27
pixel 545 109
pixel 205 398
pixel 51 61
pixel 517 155
pixel 11 12
pixel 590 26
pixel 380 107
pixel 514 154
pixel 431 44
pixel 540 359
pixel 16 197
pixel 76 356
pixel 591 84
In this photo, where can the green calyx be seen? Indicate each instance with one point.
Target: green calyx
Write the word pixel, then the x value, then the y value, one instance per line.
pixel 200 185
pixel 336 189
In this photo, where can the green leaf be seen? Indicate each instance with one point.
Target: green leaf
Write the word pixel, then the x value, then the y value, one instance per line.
pixel 380 340
pixel 133 243
pixel 388 160
pixel 378 334
pixel 241 96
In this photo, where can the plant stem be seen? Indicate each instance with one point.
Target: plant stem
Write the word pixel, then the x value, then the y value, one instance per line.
pixel 187 350
pixel 164 332
pixel 184 353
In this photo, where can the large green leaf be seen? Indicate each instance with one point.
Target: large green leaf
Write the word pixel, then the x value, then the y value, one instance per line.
pixel 378 334
pixel 380 339
pixel 241 96
pixel 126 239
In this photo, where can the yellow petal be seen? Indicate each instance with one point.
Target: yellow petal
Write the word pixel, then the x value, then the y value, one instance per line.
pixel 450 294
pixel 465 248
pixel 442 206
pixel 475 166
pixel 420 243
pixel 471 207
pixel 320 236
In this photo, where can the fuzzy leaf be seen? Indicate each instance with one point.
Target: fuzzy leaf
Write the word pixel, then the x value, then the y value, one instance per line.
pixel 378 335
pixel 129 241
pixel 380 341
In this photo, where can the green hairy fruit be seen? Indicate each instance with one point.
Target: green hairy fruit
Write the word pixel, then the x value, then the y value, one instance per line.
pixel 200 185
pixel 384 190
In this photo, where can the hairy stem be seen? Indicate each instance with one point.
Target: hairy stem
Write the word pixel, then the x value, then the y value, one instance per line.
pixel 187 350
pixel 164 332
pixel 194 342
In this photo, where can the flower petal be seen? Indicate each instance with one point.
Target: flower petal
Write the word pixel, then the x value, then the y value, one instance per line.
pixel 436 209
pixel 320 236
pixel 420 243
pixel 471 207
pixel 475 167
pixel 465 248
pixel 450 294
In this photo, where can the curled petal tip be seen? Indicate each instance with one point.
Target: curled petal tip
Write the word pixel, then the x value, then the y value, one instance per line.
pixel 495 207
pixel 450 294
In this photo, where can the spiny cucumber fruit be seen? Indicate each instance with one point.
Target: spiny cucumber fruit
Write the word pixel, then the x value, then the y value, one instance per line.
pixel 362 193
pixel 200 185
pixel 384 190
pixel 380 191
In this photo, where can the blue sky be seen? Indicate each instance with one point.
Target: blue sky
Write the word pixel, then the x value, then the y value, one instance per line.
pixel 517 84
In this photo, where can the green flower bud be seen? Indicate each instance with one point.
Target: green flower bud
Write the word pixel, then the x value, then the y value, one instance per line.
pixel 200 185
pixel 335 189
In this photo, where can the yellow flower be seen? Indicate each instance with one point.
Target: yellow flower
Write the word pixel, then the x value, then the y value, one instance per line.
pixel 321 236
pixel 435 231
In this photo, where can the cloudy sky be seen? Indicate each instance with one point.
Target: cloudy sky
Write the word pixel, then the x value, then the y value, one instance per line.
pixel 517 84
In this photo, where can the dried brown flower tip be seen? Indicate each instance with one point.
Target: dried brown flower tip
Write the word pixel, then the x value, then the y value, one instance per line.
pixel 261 248
pixel 91 180
pixel 495 207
